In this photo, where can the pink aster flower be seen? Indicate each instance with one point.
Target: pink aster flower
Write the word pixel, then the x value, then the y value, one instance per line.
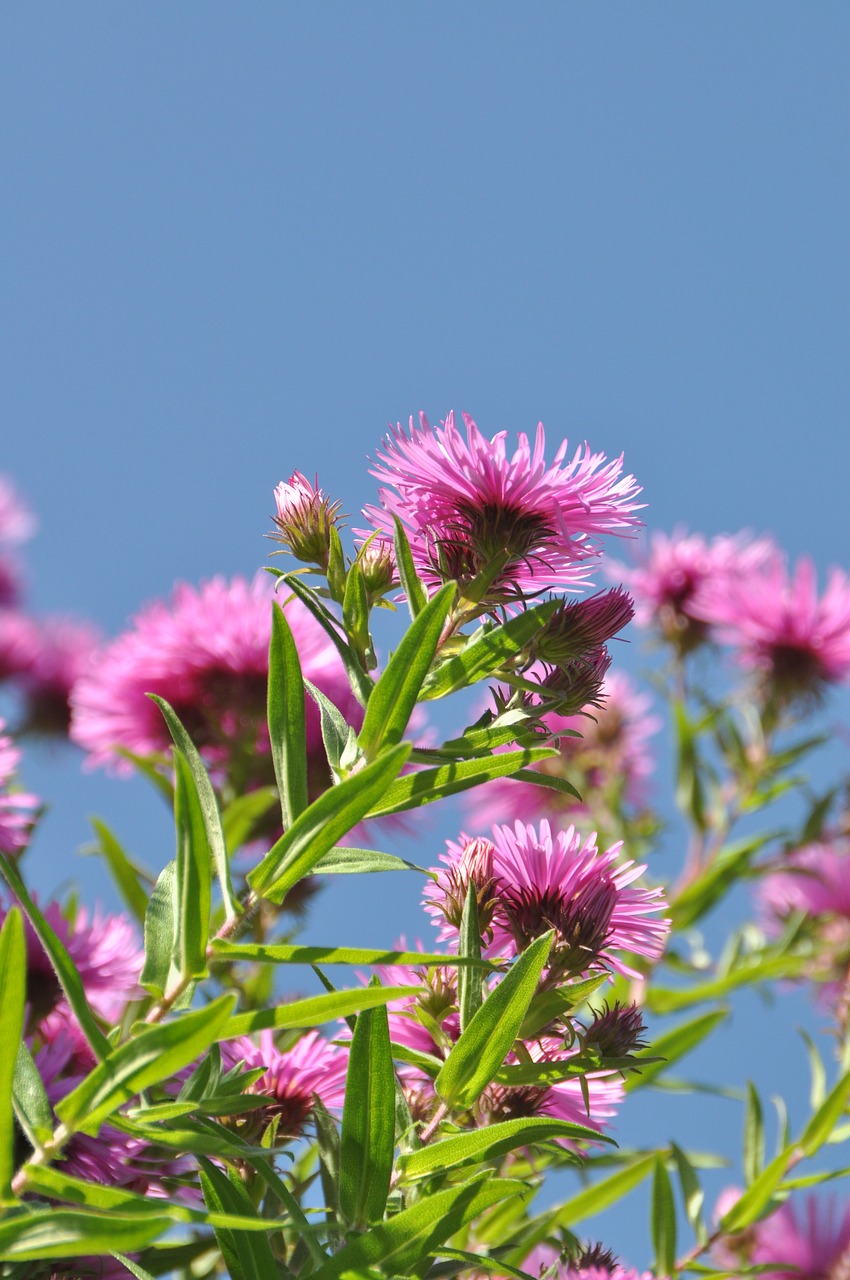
pixel 471 510
pixel 107 955
pixel 609 764
pixel 17 808
pixel 676 568
pixel 794 639
pixel 591 1264
pixel 292 1076
pixel 64 651
pixel 18 643
pixel 542 881
pixel 17 522
pixel 806 1242
pixel 206 652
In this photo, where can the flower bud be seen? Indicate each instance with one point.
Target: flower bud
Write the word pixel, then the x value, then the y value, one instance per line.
pixel 579 626
pixel 616 1031
pixel 305 517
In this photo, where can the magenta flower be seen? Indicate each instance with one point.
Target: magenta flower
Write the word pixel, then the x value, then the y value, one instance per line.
pixel 17 808
pixel 64 651
pixel 471 510
pixel 795 640
pixel 292 1076
pixel 18 643
pixel 560 882
pixel 610 763
pixel 808 1242
pixel 676 568
pixel 544 1257
pixel 17 523
pixel 206 652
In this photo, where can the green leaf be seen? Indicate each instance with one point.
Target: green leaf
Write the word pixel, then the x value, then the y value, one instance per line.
pixel 286 716
pixel 344 862
pixel 355 612
pixel 367 1137
pixel 132 1267
pixel 243 814
pixel 361 685
pixel 470 988
pixel 206 799
pixel 314 1011
pixel 753 1136
pixel 193 874
pixel 32 1106
pixel 663 1220
pixel 13 979
pixel 411 584
pixel 334 725
pixel 693 1195
pixel 161 918
pixel 57 952
pixel 714 882
pixel 488 650
pixel 155 1054
pixel 690 797
pixel 550 781
pixel 125 875
pixel 327 1142
pixel 824 1120
pixel 403 1243
pixel 491 1143
pixel 556 1001
pixel 247 1255
pixel 758 1195
pixel 482 1048
pixel 744 973
pixel 393 698
pixel 316 831
pixel 427 785
pixel 673 1045
pixel 42 1233
pixel 593 1200
pixel 291 953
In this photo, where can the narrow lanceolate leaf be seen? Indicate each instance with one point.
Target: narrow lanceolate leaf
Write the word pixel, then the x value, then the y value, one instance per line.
pixel 589 1201
pixel 287 732
pixel 393 698
pixel 13 980
pixel 52 1232
pixel 247 1255
pixel 488 650
pixel 673 1045
pixel 403 1243
pixel 334 725
pixel 753 1135
pixel 153 1055
pixel 207 801
pixel 826 1117
pixel 470 990
pixel 490 1143
pixel 314 1011
pixel 427 785
pixel 482 1048
pixel 757 1196
pixel 367 1138
pixel 29 1096
pixel 124 874
pixel 193 874
pixel 57 952
pixel 693 1195
pixel 411 584
pixel 291 953
pixel 663 1220
pixel 361 685
pixel 323 824
pixel 161 932
pixel 346 862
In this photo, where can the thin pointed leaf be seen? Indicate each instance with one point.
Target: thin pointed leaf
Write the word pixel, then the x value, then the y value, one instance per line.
pixel 323 824
pixel 482 1048
pixel 411 584
pixel 673 1045
pixel 480 1146
pixel 488 650
pixel 160 933
pixel 193 874
pixel 291 953
pixel 427 785
pixel 153 1055
pixel 334 725
pixel 13 979
pixel 753 1136
pixel 314 1011
pixel 206 799
pixel 57 952
pixel 246 1254
pixel 663 1220
pixel 52 1232
pixel 327 1141
pixel 345 862
pixel 286 717
pixel 470 991
pixel 393 698
pixel 31 1103
pixel 361 685
pixel 124 874
pixel 367 1138
pixel 693 1195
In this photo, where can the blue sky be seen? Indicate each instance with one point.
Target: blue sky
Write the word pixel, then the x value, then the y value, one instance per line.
pixel 239 240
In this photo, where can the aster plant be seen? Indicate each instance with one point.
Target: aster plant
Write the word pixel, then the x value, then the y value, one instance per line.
pixel 171 1104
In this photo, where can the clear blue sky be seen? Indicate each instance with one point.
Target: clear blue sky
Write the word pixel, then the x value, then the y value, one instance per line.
pixel 239 239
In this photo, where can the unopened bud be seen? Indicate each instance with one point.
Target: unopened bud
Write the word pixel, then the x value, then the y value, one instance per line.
pixel 617 1031
pixel 305 517
pixel 376 559
pixel 577 627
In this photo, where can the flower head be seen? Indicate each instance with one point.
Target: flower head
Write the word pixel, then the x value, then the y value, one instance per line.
pixel 313 1066
pixel 17 808
pixel 807 1242
pixel 305 517
pixel 206 652
pixel 512 525
pixel 544 881
pixel 673 572
pixel 795 640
